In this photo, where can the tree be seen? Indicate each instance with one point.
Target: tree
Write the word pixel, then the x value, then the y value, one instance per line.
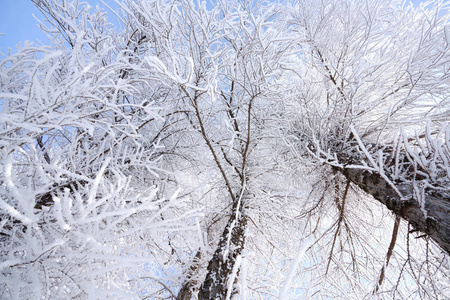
pixel 82 202
pixel 197 151
pixel 372 85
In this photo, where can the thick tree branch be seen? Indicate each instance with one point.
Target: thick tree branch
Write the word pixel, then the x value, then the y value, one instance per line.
pixel 437 203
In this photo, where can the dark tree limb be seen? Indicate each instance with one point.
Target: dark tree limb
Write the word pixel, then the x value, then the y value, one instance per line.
pixel 194 101
pixel 436 223
pixel 389 253
pixel 46 198
pixel 220 267
pixel 191 283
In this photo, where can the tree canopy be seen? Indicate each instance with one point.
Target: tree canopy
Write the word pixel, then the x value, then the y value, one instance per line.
pixel 240 150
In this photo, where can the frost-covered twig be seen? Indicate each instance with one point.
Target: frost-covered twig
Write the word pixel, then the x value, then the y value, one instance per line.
pixel 378 167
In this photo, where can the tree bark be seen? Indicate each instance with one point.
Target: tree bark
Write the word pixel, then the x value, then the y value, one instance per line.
pixel 220 268
pixel 191 282
pixel 436 222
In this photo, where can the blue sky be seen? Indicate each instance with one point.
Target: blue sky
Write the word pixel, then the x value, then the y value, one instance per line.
pixel 18 24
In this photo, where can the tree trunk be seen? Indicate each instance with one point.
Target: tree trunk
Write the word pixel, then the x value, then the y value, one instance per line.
pixel 222 267
pixel 191 282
